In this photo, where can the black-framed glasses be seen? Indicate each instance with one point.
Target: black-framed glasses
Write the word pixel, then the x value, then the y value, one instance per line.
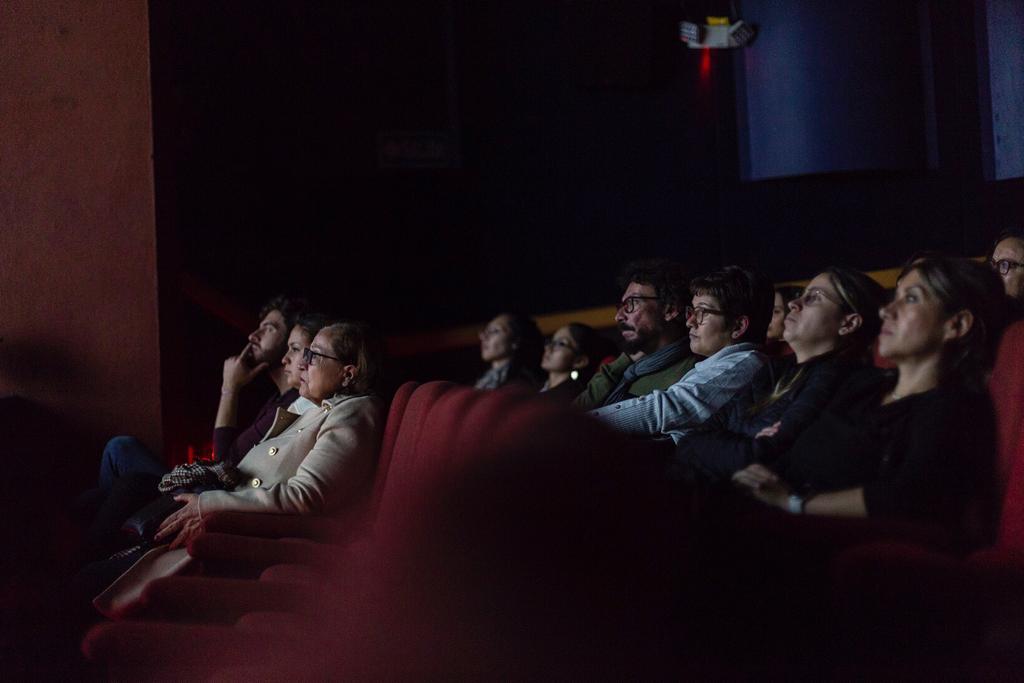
pixel 308 356
pixel 629 304
pixel 813 295
pixel 552 343
pixel 699 313
pixel 1004 265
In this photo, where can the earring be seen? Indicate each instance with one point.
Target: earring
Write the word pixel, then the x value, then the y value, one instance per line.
pixel 574 375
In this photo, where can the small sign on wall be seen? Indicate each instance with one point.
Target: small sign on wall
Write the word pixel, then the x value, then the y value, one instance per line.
pixel 417 149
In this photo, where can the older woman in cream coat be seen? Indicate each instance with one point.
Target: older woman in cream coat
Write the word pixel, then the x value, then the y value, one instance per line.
pixel 313 462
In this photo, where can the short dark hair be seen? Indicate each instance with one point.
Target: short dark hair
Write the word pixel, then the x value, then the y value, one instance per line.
pixel 668 278
pixel 289 307
pixel 961 284
pixel 358 343
pixel 740 292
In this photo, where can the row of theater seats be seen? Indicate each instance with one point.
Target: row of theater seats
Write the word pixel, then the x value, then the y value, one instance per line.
pixel 489 511
pixel 508 537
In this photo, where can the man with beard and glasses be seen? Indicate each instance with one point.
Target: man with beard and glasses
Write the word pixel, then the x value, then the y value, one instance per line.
pixel 655 339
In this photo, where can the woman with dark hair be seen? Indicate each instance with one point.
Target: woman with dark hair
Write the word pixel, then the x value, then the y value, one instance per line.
pixel 830 327
pixel 774 345
pixel 571 356
pixel 915 443
pixel 511 344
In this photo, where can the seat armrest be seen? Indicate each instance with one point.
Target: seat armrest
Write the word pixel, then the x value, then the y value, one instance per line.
pixel 317 528
pixel 259 553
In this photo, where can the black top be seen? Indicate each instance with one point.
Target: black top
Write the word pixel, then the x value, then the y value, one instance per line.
pixel 565 392
pixel 927 457
pixel 726 443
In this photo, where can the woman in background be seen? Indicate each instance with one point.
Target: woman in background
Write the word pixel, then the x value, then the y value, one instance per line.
pixel 571 355
pixel 774 343
pixel 511 344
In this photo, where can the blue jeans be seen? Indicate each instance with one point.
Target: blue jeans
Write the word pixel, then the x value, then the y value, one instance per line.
pixel 126 455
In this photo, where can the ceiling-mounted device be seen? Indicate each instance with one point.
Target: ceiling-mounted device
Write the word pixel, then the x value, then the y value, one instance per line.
pixel 716 32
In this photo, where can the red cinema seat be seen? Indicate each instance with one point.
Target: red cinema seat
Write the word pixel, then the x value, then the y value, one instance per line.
pixel 514 543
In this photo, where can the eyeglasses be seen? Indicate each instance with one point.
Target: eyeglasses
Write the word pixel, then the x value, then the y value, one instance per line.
pixel 551 342
pixel 310 357
pixel 1004 266
pixel 814 295
pixel 629 304
pixel 698 314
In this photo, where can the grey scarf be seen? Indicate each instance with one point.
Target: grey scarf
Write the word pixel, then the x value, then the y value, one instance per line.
pixel 494 377
pixel 657 361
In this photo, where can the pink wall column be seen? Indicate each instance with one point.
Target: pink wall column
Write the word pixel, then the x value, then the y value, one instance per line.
pixel 78 278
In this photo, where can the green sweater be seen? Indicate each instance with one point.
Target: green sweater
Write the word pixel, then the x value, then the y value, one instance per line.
pixel 608 377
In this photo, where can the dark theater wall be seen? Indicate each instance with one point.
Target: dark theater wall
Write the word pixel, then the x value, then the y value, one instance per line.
pixel 78 289
pixel 830 87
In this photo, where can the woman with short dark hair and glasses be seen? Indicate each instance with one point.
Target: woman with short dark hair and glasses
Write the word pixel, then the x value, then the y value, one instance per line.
pixel 916 443
pixel 830 326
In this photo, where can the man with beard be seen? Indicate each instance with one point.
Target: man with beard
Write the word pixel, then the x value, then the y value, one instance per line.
pixel 655 339
pixel 265 348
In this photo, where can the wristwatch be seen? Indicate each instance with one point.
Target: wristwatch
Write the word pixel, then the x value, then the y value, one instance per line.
pixel 795 504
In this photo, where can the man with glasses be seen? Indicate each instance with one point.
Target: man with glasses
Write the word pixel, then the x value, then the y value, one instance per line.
pixel 1007 259
pixel 654 335
pixel 728 320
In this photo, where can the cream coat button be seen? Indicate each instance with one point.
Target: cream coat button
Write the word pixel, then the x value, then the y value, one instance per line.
pixel 256 483
pixel 272 451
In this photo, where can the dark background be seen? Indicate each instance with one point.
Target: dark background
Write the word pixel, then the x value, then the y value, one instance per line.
pixel 580 134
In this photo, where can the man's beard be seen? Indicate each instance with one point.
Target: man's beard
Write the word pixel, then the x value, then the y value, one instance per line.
pixel 271 357
pixel 631 346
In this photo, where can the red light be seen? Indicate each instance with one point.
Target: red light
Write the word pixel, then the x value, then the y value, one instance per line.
pixel 705 64
pixel 205 453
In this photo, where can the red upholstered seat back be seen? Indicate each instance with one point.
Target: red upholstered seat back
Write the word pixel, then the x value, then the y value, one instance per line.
pixel 434 442
pixel 462 425
pixel 1007 390
pixel 517 527
pixel 409 414
pixel 396 413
